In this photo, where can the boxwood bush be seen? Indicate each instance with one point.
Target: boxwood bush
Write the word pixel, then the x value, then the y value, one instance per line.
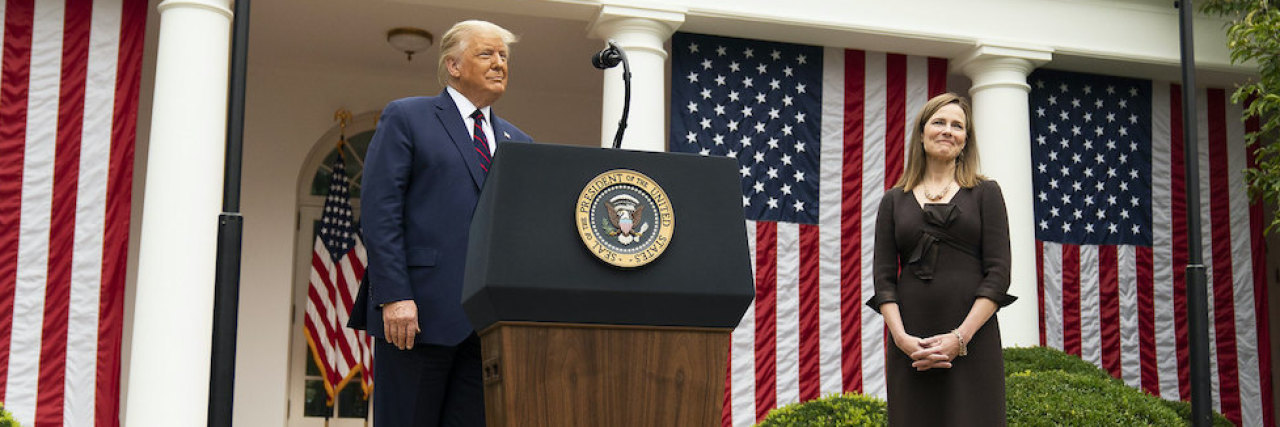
pixel 1039 359
pixel 1043 387
pixel 1183 409
pixel 6 419
pixel 835 410
pixel 1043 359
pixel 1054 398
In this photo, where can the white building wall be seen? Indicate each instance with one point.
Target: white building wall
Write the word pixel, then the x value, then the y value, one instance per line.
pixel 1141 30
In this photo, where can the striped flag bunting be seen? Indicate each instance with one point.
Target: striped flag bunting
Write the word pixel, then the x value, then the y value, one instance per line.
pixel 820 134
pixel 1111 236
pixel 338 263
pixel 69 78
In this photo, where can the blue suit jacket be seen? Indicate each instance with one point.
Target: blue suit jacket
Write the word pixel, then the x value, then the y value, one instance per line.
pixel 420 186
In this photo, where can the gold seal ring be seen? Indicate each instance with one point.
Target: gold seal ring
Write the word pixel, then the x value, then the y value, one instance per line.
pixel 624 218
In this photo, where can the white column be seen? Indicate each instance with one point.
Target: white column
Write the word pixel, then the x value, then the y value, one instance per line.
pixel 1002 122
pixel 173 309
pixel 640 32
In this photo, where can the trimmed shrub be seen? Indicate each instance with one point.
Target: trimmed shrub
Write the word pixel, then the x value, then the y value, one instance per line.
pixel 835 410
pixel 1056 398
pixel 1044 359
pixel 1040 359
pixel 6 419
pixel 1183 409
pixel 1043 387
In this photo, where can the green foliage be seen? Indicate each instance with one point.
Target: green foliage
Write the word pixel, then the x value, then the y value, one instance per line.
pixel 1183 409
pixel 1253 35
pixel 6 419
pixel 1057 398
pixel 836 410
pixel 1043 387
pixel 1040 359
pixel 1032 361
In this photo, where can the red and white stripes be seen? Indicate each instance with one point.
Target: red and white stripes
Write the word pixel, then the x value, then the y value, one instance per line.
pixel 808 332
pixel 68 107
pixel 1123 307
pixel 340 351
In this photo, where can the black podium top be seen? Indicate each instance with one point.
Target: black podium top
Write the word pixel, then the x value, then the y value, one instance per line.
pixel 526 261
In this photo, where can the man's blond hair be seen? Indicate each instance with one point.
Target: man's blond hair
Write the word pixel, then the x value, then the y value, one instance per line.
pixel 454 42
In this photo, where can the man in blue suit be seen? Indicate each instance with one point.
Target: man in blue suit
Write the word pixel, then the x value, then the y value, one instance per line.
pixel 426 164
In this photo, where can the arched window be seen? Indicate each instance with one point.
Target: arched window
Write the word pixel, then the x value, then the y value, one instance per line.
pixel 307 395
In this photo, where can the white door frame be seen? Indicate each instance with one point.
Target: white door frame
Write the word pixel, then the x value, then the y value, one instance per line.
pixel 309 209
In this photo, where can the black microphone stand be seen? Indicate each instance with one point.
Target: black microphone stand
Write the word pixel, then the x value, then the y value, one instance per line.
pixel 609 58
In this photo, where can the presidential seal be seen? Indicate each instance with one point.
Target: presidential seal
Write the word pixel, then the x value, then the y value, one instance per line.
pixel 624 218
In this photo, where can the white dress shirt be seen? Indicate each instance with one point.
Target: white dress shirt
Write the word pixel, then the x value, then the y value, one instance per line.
pixel 466 108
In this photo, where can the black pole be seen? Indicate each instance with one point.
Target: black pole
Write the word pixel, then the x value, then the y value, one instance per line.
pixel 608 58
pixel 1197 292
pixel 626 99
pixel 226 299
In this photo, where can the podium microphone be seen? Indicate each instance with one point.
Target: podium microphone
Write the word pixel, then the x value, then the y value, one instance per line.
pixel 609 58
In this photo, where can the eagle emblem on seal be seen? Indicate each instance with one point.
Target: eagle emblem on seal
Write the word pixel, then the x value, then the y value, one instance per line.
pixel 624 212
pixel 624 218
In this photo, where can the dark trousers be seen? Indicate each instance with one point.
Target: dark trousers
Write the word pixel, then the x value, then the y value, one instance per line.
pixel 430 385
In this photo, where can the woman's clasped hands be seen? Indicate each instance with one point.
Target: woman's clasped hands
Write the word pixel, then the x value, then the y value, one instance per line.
pixel 929 353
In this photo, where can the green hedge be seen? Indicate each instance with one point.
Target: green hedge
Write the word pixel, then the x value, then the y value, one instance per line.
pixel 1183 409
pixel 6 419
pixel 836 410
pixel 1040 359
pixel 1044 359
pixel 1054 397
pixel 1043 387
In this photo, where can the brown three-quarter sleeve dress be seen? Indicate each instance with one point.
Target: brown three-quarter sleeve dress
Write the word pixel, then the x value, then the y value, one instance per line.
pixel 933 261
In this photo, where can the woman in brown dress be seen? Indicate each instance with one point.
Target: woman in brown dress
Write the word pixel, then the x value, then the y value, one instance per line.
pixel 941 271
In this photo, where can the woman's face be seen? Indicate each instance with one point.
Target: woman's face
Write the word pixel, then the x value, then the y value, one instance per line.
pixel 944 133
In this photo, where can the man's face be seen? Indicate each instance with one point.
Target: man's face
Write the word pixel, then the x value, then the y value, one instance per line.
pixel 480 70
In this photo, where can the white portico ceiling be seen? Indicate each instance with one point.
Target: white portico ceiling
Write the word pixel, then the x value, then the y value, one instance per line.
pixel 553 54
pixel 551 67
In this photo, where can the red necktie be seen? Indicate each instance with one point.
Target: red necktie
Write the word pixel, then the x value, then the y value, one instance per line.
pixel 481 142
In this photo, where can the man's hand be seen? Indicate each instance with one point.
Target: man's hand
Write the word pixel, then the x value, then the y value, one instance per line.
pixel 400 323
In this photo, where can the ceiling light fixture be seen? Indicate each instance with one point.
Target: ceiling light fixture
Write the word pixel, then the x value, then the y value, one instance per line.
pixel 409 40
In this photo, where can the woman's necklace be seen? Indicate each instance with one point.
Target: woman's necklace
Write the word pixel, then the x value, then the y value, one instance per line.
pixel 936 197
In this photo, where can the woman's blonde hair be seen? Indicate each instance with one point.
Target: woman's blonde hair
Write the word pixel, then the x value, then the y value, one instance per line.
pixel 454 42
pixel 966 163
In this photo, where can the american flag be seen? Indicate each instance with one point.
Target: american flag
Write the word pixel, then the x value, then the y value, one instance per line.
pixel 69 77
pixel 338 263
pixel 1110 212
pixel 819 134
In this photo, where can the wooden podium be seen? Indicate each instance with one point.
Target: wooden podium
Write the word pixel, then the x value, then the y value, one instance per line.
pixel 570 340
pixel 569 374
